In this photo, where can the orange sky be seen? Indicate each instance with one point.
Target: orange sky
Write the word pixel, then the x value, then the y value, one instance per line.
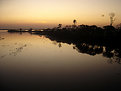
pixel 49 13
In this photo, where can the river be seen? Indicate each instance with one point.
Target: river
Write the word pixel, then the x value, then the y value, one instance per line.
pixel 30 62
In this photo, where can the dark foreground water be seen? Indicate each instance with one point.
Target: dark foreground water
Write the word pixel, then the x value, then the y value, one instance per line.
pixel 36 63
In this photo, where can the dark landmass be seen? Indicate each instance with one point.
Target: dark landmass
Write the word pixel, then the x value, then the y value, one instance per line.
pixel 91 40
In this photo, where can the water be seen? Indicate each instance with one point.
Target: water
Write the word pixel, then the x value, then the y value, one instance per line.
pixel 30 62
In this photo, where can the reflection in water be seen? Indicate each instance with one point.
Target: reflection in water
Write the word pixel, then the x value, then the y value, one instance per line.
pixel 59 45
pixel 89 49
pixel 114 54
pixel 38 63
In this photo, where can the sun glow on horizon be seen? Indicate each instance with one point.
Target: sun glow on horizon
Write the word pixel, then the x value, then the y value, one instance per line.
pixel 53 12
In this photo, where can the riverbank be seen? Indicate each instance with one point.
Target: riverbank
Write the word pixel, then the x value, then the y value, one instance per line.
pixel 95 35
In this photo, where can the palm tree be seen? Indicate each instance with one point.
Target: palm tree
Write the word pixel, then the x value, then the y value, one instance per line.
pixel 112 15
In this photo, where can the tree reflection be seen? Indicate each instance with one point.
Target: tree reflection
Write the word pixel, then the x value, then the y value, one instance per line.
pixel 88 49
pixel 59 45
pixel 114 55
pixel 94 48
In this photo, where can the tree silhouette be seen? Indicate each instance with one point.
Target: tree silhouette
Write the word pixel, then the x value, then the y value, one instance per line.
pixel 118 26
pixel 59 25
pixel 74 21
pixel 112 15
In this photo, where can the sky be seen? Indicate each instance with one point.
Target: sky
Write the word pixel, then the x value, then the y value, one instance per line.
pixel 50 13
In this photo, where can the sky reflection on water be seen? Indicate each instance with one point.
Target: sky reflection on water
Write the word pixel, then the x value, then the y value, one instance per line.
pixel 30 62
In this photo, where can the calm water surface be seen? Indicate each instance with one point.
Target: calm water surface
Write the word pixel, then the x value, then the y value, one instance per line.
pixel 35 63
